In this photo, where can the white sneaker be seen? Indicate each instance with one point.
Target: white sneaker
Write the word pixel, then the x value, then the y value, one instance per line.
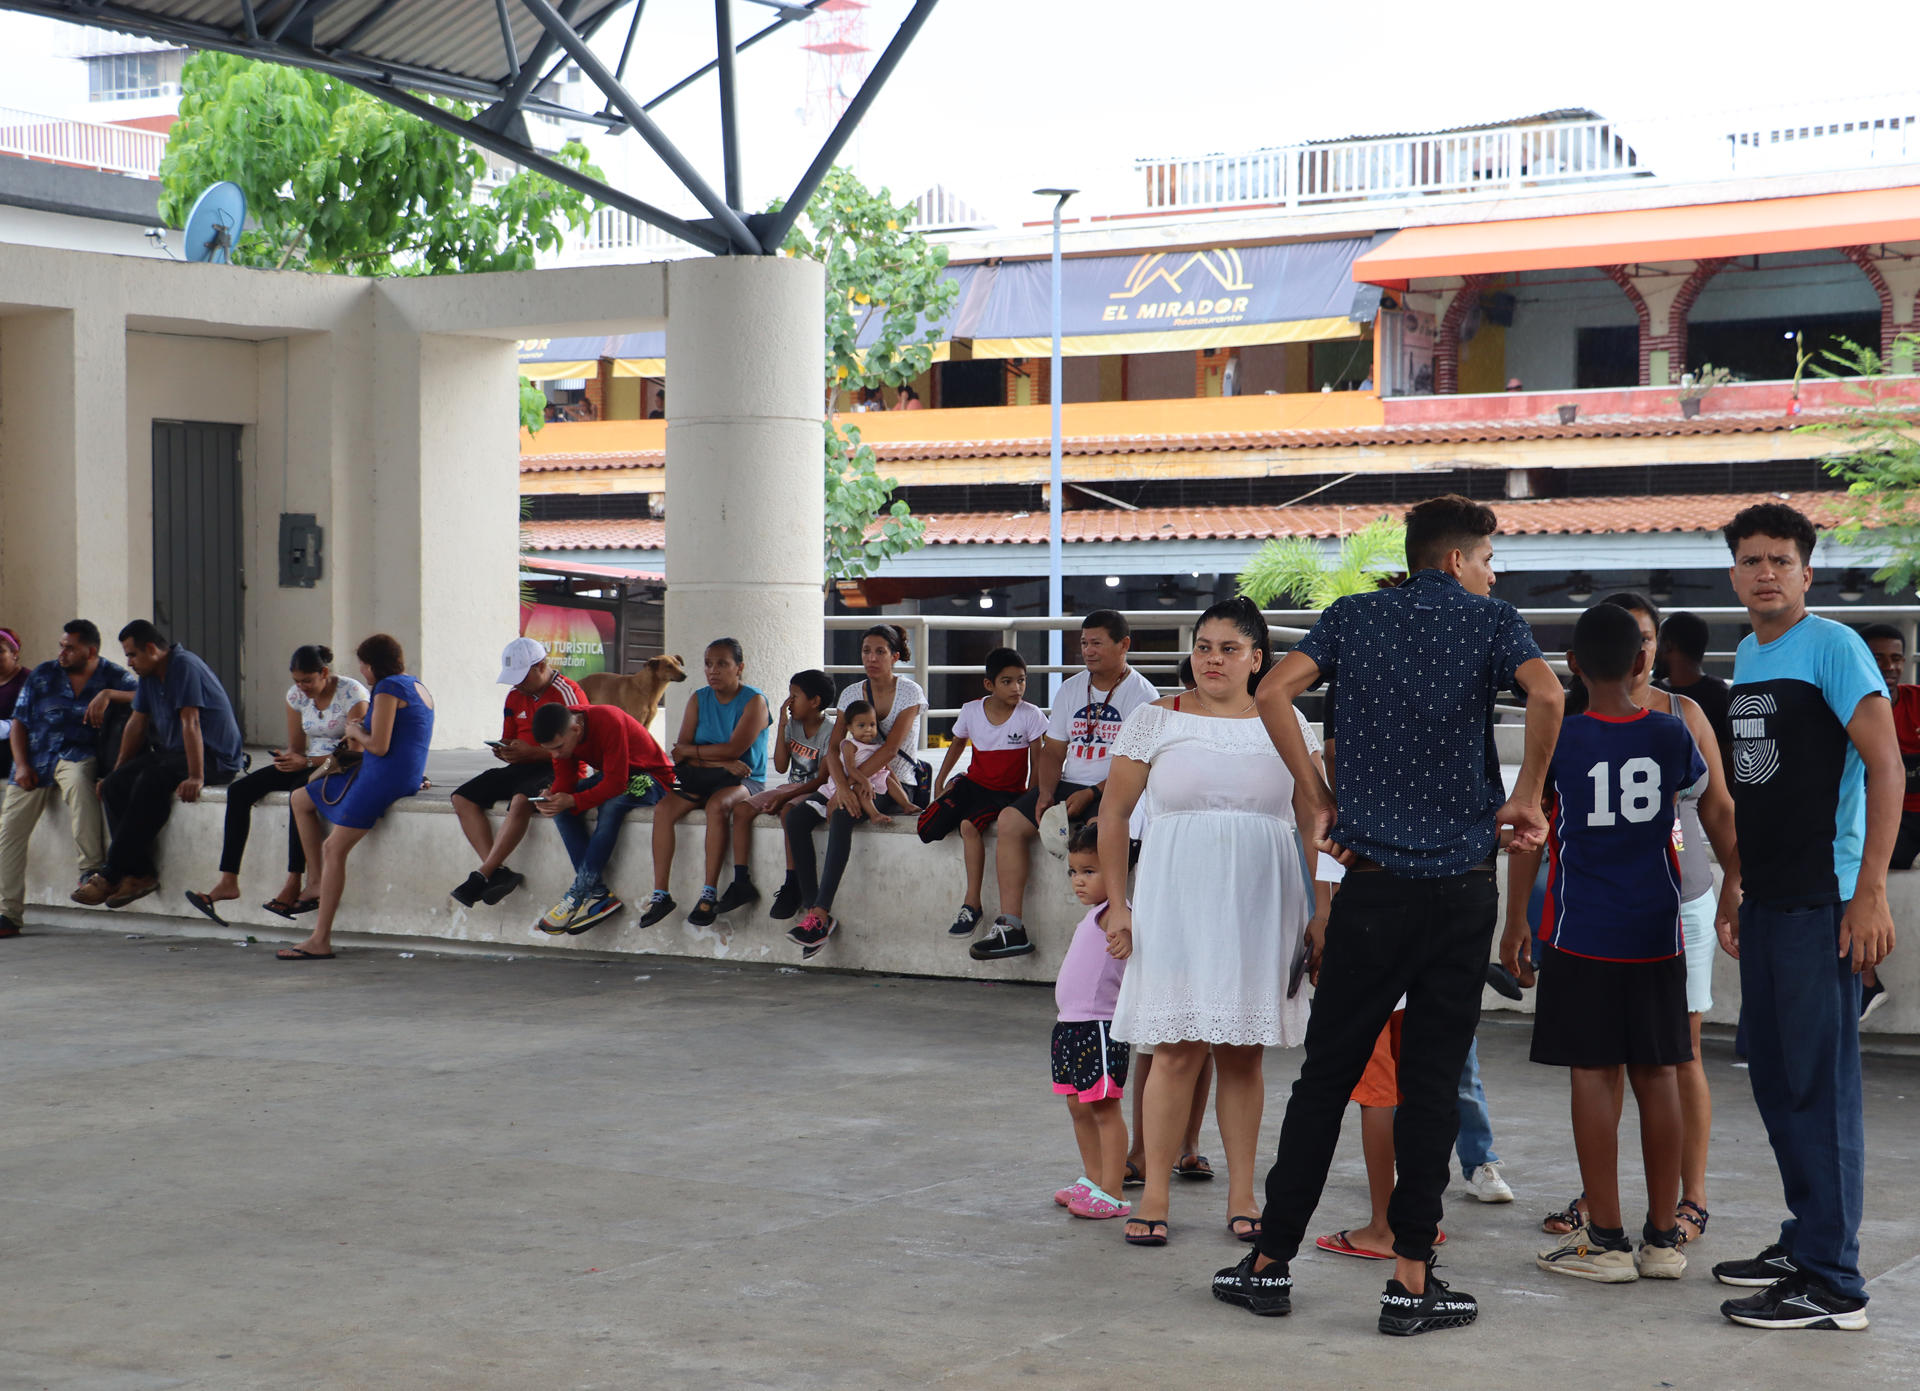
pixel 1486 1184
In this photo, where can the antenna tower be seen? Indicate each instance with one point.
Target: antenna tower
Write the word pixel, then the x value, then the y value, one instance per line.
pixel 837 40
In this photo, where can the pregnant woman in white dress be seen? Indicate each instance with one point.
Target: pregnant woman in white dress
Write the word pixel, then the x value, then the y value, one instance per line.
pixel 1220 905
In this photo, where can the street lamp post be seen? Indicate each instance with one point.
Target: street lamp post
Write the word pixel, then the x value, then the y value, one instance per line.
pixel 1054 558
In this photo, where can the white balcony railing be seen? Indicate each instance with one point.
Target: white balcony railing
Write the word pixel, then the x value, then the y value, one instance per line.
pixel 81 144
pixel 1397 168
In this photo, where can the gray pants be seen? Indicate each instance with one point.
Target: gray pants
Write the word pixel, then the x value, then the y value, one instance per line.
pixel 20 813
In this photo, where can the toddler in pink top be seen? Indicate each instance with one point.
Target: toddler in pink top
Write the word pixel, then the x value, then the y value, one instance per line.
pixel 1089 1065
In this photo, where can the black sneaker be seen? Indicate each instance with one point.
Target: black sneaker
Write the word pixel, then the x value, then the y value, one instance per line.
pixel 1503 981
pixel 1002 939
pixel 500 883
pixel 1871 998
pixel 1268 1292
pixel 786 901
pixel 1798 1301
pixel 470 890
pixel 657 908
pixel 739 894
pixel 704 912
pixel 811 933
pixel 1404 1314
pixel 966 921
pixel 1771 1265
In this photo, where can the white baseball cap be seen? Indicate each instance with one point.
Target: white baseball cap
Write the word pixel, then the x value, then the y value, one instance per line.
pixel 520 656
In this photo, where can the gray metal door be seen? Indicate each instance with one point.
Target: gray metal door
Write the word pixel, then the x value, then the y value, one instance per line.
pixel 197 577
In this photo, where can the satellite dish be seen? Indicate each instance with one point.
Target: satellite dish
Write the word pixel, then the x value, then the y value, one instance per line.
pixel 214 225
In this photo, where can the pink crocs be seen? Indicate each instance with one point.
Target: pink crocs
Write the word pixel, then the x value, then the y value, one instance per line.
pixel 1099 1206
pixel 1073 1193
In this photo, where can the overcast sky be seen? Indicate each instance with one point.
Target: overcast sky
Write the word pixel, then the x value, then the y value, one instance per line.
pixel 1001 96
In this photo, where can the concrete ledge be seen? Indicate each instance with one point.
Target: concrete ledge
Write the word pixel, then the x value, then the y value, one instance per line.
pixel 894 904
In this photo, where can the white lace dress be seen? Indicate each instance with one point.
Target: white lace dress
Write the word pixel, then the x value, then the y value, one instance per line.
pixel 1220 899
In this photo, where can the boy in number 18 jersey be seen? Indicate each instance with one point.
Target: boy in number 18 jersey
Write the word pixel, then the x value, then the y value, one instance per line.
pixel 1613 984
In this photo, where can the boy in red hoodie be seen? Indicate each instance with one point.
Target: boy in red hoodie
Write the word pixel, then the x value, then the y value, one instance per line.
pixel 633 771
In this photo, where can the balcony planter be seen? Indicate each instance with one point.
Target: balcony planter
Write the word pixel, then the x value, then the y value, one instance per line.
pixel 1694 388
pixel 1689 407
pixel 1568 413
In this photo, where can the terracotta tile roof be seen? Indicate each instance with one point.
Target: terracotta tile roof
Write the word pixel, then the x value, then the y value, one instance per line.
pixel 1618 426
pixel 1587 516
pixel 597 534
pixel 586 463
pixel 1544 517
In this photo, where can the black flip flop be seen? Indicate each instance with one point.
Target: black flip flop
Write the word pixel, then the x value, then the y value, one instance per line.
pixel 1198 1170
pixel 306 905
pixel 205 905
pixel 1156 1233
pixel 297 954
pixel 1251 1234
pixel 279 907
pixel 1134 1178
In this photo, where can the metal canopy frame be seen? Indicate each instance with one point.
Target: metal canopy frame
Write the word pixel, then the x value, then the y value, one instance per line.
pixel 289 31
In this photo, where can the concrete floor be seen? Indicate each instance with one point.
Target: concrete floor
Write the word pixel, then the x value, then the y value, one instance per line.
pixel 467 1172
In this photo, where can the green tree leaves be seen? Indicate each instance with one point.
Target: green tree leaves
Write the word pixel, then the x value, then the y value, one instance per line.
pixel 1294 567
pixel 339 181
pixel 886 308
pixel 1881 463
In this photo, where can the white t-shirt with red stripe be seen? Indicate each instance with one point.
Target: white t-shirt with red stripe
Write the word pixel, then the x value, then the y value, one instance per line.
pixel 1000 751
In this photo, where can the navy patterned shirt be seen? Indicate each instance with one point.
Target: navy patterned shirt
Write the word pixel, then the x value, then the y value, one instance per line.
pixel 1419 668
pixel 57 728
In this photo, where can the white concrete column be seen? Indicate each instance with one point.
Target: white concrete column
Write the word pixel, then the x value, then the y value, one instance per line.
pixel 745 556
pixel 64 479
pixel 443 510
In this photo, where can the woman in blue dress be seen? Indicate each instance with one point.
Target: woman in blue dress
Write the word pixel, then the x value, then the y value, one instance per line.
pixel 392 739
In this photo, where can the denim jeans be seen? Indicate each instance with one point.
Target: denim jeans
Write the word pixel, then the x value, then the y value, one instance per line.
pixel 590 853
pixel 1475 1145
pixel 1801 1004
pixel 1428 939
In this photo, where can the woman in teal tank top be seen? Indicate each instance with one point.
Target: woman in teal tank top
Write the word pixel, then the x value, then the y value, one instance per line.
pixel 720 759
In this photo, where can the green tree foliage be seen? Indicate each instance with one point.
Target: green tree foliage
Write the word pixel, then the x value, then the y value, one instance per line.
pixel 884 290
pixel 1296 567
pixel 533 407
pixel 337 180
pixel 1878 456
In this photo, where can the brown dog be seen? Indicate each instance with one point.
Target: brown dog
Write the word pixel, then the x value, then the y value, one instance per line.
pixel 638 693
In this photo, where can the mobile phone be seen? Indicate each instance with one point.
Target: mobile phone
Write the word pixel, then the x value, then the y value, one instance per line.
pixel 496 743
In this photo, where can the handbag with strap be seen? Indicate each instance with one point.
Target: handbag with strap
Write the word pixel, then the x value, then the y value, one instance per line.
pixel 341 760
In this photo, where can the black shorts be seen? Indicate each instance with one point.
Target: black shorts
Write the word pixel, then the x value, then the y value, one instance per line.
pixel 1028 800
pixel 964 800
pixel 506 782
pixel 1089 1063
pixel 1591 1013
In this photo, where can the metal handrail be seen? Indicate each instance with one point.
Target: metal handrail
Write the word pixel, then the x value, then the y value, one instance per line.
pixel 1286 625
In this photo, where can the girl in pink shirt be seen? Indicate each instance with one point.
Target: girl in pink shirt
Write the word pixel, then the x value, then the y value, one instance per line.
pixel 1089 1065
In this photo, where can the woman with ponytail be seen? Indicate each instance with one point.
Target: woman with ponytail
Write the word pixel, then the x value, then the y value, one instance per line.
pixel 1219 910
pixel 320 705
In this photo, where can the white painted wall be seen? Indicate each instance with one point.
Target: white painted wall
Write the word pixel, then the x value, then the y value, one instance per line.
pixel 33 227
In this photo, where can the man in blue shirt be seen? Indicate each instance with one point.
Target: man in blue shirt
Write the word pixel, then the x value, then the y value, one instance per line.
pixel 1417 824
pixel 55 741
pixel 196 743
pixel 1817 787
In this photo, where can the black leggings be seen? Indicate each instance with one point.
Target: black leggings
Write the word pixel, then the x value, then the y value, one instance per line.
pixel 240 802
pixel 818 888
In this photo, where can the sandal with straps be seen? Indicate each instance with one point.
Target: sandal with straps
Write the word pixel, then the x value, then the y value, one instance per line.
pixel 1569 1216
pixel 1690 1211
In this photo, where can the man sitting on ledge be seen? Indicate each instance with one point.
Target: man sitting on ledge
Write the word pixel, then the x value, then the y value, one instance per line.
pixel 632 771
pixel 197 744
